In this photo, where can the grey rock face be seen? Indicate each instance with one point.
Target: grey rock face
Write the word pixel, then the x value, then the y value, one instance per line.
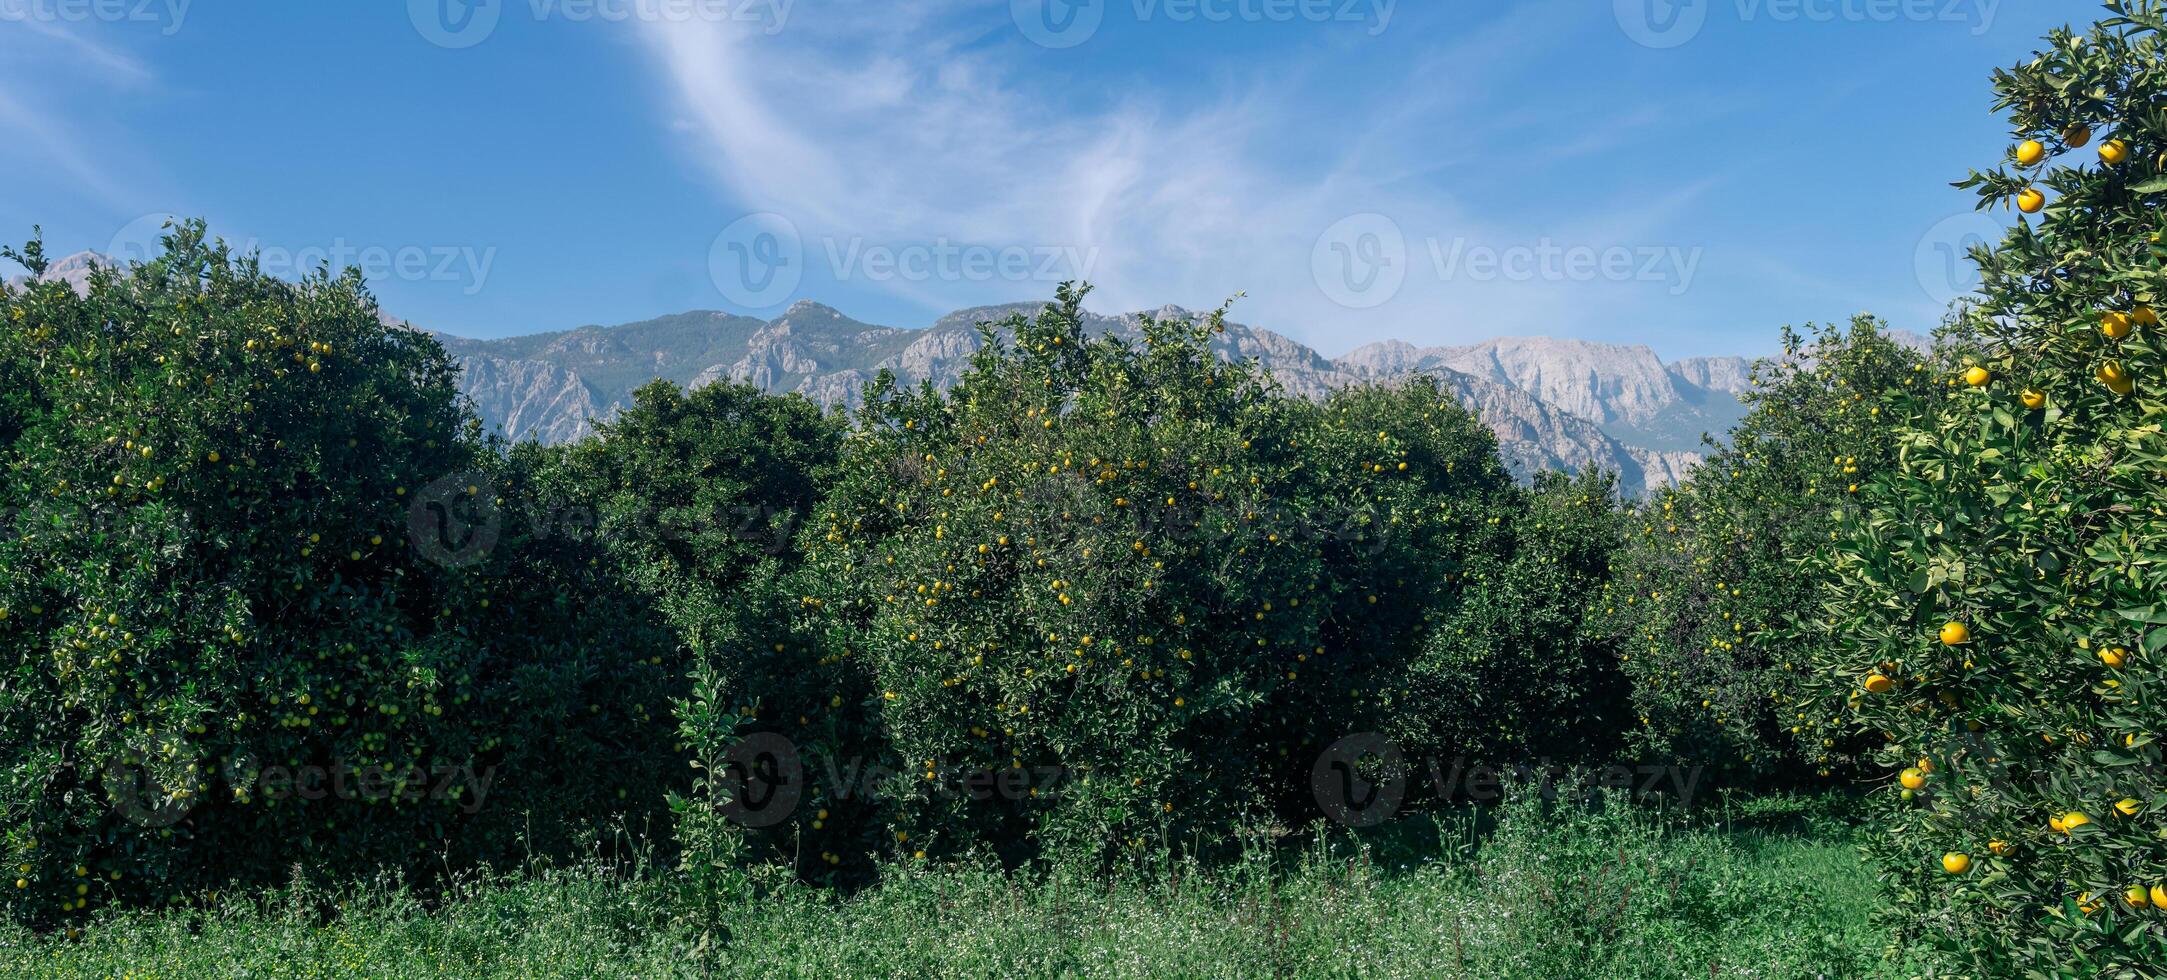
pixel 1554 404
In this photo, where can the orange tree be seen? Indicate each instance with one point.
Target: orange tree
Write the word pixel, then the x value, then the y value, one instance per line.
pixel 1105 593
pixel 1509 669
pixel 1995 617
pixel 257 613
pixel 1417 537
pixel 1706 585
pixel 698 496
pixel 697 499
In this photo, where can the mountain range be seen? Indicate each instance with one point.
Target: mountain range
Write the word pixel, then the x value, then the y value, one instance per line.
pixel 1554 404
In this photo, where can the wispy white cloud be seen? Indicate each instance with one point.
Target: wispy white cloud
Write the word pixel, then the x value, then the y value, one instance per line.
pixel 38 56
pixel 898 124
pixel 32 129
pixel 114 64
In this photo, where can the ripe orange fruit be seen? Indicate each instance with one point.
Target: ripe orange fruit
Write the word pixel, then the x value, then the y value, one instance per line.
pixel 2144 317
pixel 2077 135
pixel 2115 377
pixel 2001 848
pixel 1956 863
pixel 2114 657
pixel 2030 201
pixel 2034 399
pixel 2074 819
pixel 2054 823
pixel 2030 152
pixel 2128 806
pixel 1953 634
pixel 2159 895
pixel 1977 377
pixel 1875 683
pixel 2114 324
pixel 1912 779
pixel 2113 151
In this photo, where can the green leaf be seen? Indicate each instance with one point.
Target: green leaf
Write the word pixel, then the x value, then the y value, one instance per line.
pixel 2143 614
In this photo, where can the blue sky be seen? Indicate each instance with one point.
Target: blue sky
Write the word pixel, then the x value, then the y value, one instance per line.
pixel 1688 175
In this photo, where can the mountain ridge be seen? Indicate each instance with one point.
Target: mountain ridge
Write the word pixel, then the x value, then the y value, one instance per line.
pixel 1553 403
pixel 552 386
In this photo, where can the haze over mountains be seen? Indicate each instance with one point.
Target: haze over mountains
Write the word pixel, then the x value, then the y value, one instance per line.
pixel 1554 404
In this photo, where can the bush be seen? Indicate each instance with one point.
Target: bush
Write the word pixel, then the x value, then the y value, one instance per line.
pixel 1705 601
pixel 697 499
pixel 1424 525
pixel 1020 568
pixel 1510 672
pixel 1135 579
pixel 1994 611
pixel 210 590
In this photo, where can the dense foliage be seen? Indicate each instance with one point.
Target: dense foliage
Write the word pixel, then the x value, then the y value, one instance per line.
pixel 697 499
pixel 221 653
pixel 1512 671
pixel 1109 603
pixel 1706 599
pixel 1995 610
pixel 1128 590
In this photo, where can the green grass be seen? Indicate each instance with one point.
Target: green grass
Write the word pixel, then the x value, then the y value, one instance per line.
pixel 1773 891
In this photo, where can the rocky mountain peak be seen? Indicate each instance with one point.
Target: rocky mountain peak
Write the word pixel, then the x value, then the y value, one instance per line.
pixel 1553 403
